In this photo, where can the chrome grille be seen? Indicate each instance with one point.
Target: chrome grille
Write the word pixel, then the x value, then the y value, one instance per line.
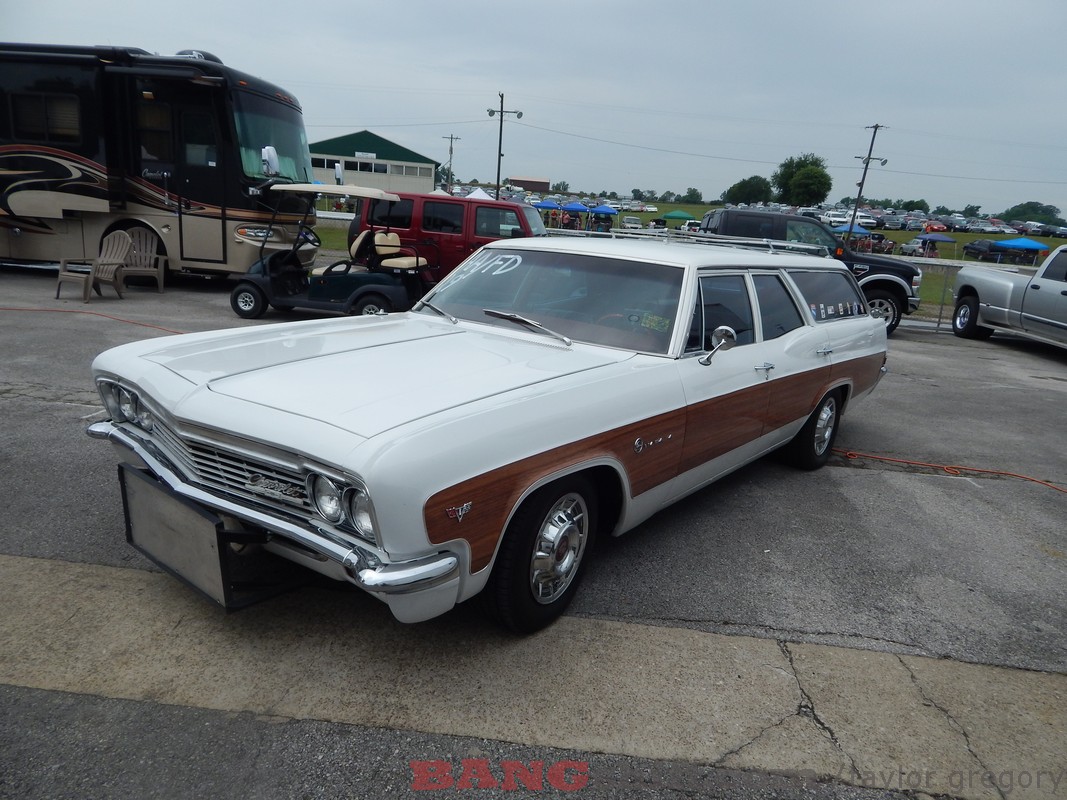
pixel 233 473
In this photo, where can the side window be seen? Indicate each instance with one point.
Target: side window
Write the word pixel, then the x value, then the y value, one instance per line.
pixel 778 313
pixel 1057 268
pixel 723 300
pixel 753 226
pixel 385 214
pixel 808 233
pixel 829 295
pixel 442 217
pixel 46 117
pixel 496 223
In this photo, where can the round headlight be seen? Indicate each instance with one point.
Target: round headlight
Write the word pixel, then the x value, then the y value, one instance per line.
pixel 327 498
pixel 359 511
pixel 127 404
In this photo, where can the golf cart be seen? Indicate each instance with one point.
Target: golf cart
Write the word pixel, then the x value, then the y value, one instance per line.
pixel 380 274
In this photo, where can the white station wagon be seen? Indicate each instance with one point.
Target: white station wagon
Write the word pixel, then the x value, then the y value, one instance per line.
pixel 547 393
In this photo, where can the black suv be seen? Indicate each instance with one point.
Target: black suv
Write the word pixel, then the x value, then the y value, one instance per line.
pixel 889 284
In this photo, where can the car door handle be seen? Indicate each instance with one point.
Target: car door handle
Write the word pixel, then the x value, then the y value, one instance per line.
pixel 766 367
pixel 825 351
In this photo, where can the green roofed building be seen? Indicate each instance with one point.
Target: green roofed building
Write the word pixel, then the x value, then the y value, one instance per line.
pixel 366 159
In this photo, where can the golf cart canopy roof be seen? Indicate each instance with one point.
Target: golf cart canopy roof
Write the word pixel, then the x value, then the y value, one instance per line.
pixel 342 190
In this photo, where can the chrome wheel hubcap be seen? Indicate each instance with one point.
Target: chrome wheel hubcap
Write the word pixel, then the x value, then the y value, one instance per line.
pixel 558 548
pixel 824 426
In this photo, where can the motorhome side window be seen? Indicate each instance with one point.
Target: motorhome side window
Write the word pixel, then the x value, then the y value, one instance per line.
pixel 778 312
pixel 154 128
pixel 829 295
pixel 723 300
pixel 442 217
pixel 383 214
pixel 46 117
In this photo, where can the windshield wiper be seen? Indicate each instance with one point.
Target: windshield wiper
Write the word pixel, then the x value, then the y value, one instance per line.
pixel 432 307
pixel 513 317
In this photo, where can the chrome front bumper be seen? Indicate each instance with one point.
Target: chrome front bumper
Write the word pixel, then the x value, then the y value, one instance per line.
pixel 434 578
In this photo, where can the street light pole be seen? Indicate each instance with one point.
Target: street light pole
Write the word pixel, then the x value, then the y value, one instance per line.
pixel 863 178
pixel 500 138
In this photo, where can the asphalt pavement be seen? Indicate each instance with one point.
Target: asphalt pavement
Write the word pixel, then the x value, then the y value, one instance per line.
pixel 888 626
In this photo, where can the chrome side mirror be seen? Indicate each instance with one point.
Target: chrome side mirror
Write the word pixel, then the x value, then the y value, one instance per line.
pixel 722 338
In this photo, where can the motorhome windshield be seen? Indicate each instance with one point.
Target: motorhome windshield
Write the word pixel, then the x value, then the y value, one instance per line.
pixel 261 122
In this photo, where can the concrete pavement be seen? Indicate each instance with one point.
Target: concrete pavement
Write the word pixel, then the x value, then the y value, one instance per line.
pixel 870 719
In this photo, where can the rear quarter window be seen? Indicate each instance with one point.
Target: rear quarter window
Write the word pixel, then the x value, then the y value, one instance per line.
pixel 442 217
pixel 390 215
pixel 829 295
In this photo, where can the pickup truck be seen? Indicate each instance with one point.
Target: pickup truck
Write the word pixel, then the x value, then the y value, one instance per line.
pixel 990 299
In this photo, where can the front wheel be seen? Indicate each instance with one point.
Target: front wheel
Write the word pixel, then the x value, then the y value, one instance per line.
pixel 811 448
pixel 889 305
pixel 965 320
pixel 542 556
pixel 248 301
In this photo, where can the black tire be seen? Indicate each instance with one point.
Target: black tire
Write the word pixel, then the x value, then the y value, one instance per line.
pixel 812 446
pixel 965 320
pixel 889 304
pixel 370 305
pixel 543 555
pixel 247 301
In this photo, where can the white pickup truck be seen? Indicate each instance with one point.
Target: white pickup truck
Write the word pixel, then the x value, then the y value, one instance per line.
pixel 989 298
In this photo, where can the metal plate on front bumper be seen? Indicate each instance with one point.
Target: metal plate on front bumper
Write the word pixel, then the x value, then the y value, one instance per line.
pixel 190 543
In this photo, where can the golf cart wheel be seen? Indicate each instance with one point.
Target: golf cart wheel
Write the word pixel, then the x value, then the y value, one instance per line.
pixel 247 301
pixel 370 305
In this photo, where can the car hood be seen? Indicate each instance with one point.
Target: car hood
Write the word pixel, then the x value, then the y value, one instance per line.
pixel 368 375
pixel 886 263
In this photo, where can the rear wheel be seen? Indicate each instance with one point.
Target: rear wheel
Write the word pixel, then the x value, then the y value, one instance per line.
pixel 543 555
pixel 965 320
pixel 812 446
pixel 247 301
pixel 370 305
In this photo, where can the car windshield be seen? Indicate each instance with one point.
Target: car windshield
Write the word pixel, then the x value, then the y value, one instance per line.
pixel 611 302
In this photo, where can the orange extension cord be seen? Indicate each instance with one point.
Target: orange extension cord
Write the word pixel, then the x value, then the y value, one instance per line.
pixel 951 470
pixel 93 314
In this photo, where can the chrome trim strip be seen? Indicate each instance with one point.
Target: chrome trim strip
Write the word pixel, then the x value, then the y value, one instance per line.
pixel 402 577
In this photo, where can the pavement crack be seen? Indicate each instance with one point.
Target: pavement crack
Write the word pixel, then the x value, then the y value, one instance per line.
pixel 806 708
pixel 952 721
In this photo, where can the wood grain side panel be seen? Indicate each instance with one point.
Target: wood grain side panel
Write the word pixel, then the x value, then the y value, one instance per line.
pixel 794 396
pixel 722 424
pixel 492 495
pixel 864 372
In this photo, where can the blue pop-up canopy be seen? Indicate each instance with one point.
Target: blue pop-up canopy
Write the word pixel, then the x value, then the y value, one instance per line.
pixel 1022 243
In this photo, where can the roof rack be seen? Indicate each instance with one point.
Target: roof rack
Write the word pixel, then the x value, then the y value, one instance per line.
pixel 713 239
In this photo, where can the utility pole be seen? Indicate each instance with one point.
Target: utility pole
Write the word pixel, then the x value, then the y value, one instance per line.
pixel 451 138
pixel 500 138
pixel 866 162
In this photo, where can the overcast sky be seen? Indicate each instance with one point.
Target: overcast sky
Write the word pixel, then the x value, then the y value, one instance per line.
pixel 663 96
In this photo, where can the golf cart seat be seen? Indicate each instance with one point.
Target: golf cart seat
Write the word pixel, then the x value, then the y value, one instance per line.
pixel 387 245
pixel 357 256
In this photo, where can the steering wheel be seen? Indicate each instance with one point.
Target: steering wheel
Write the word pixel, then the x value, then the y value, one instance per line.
pixel 613 319
pixel 338 268
pixel 309 233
